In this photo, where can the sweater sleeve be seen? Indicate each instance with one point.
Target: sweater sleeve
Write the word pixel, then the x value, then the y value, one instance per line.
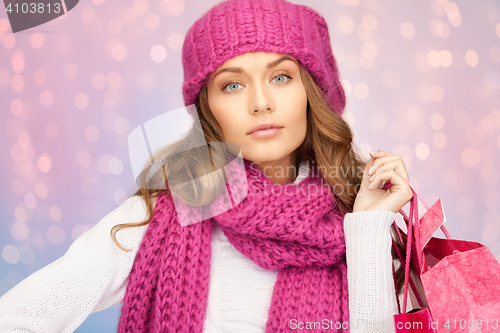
pixel 91 276
pixel 372 295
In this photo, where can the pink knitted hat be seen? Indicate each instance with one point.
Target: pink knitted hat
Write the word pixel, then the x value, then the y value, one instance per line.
pixel 235 27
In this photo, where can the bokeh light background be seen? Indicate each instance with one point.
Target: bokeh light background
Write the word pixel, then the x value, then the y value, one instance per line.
pixel 422 79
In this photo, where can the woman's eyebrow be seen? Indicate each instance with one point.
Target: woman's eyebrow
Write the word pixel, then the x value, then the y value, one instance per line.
pixel 241 70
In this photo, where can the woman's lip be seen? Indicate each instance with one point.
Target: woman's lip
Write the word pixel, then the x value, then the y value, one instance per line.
pixel 266 133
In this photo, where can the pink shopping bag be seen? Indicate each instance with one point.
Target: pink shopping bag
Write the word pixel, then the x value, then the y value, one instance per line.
pixel 456 282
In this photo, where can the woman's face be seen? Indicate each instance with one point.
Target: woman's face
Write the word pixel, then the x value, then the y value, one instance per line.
pixel 255 88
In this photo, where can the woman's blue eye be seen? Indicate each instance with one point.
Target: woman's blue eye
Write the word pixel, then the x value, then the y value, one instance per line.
pixel 232 84
pixel 283 76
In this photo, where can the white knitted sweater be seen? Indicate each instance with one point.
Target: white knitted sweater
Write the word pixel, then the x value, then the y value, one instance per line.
pixel 92 275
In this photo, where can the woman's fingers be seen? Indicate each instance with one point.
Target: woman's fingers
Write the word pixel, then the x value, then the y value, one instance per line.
pixel 389 162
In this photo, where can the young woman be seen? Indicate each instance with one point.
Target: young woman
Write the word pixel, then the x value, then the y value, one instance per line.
pixel 307 249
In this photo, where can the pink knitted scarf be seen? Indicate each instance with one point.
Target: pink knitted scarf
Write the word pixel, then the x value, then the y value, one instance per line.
pixel 295 228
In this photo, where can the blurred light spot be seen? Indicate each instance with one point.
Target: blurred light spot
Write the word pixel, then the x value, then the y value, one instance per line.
pixel 490 232
pixel 26 168
pixel 495 54
pixel 26 254
pixel 176 7
pixel 39 77
pixel 362 33
pixel 438 8
pixel 440 140
pixel 19 151
pixel 16 106
pixel 92 133
pixel 114 80
pixel 366 61
pixel 378 121
pixel 10 254
pixel 9 40
pixel 98 81
pixel 30 200
pixel 492 200
pixel 471 58
pixel 44 163
pixel 98 2
pixel 474 136
pixel 492 79
pixel 81 101
pixel 369 22
pixel 115 166
pixel 175 41
pixel 158 53
pixel 19 231
pixel 464 207
pixel 440 29
pixel 498 30
pixel 55 234
pixel 83 157
pixel 462 118
pixel 71 71
pixel 37 40
pixel 20 214
pixel 41 190
pixel 115 26
pixel 103 163
pixel 79 230
pixel 422 151
pixel 119 52
pixel 46 97
pixel 453 13
pixel 445 58
pixel 347 86
pixel 437 93
pixel 433 58
pixel 361 90
pixel 152 21
pixel 111 97
pixel 87 14
pixel 369 47
pixel 391 78
pixel 120 196
pixel 17 187
pixel 18 64
pixel 470 156
pixel 128 16
pixel 121 125
pixel 399 130
pixel 55 213
pixel 407 30
pixel 17 83
pixel 487 123
pixel 91 186
pixel 140 6
pixel 90 208
pixel 437 121
pixel 346 25
pixel 52 130
pixel 489 174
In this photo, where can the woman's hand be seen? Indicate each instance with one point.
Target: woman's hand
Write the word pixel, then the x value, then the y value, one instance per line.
pixel 386 167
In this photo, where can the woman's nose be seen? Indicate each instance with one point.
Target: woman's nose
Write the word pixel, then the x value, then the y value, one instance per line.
pixel 261 99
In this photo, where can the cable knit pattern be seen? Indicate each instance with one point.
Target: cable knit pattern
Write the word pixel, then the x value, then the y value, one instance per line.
pixel 297 231
pixel 238 26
